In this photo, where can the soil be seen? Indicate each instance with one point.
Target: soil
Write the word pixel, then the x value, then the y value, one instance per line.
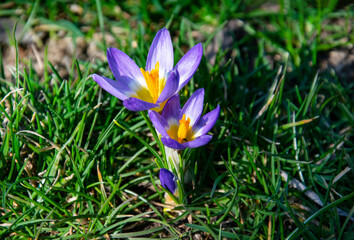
pixel 62 49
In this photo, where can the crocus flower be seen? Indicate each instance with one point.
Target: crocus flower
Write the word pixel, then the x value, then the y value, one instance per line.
pixel 141 89
pixel 168 180
pixel 184 128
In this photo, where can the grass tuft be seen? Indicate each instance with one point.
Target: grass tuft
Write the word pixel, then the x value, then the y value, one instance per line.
pixel 75 164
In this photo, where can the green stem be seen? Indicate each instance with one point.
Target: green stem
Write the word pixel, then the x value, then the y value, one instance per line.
pixel 153 131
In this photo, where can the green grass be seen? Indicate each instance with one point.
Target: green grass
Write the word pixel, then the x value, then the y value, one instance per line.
pixel 279 166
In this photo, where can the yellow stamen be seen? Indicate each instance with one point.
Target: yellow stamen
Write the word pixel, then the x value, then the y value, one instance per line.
pixel 153 82
pixel 182 132
pixel 183 128
pixel 160 107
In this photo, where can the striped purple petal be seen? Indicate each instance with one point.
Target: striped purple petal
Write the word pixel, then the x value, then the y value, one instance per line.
pixel 161 51
pixel 110 86
pixel 124 68
pixel 194 106
pixel 170 87
pixel 188 64
pixel 168 180
pixel 135 104
pixel 198 142
pixel 206 122
pixel 159 123
pixel 171 143
pixel 172 110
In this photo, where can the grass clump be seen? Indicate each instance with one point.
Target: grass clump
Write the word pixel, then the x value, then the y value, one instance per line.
pixel 279 165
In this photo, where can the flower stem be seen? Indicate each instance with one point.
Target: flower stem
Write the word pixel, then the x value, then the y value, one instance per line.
pixel 157 138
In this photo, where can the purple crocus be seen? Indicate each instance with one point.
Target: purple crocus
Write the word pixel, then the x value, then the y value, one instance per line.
pixel 141 89
pixel 185 128
pixel 168 180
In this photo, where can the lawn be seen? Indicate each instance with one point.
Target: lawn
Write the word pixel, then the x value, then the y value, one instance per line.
pixel 76 163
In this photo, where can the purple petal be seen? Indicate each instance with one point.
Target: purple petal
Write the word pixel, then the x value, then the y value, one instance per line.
pixel 171 143
pixel 170 86
pixel 194 106
pixel 135 104
pixel 159 123
pixel 171 110
pixel 168 180
pixel 110 86
pixel 123 67
pixel 188 64
pixel 161 51
pixel 206 122
pixel 198 142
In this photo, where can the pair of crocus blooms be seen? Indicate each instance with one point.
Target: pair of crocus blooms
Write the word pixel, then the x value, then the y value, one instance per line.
pixel 156 89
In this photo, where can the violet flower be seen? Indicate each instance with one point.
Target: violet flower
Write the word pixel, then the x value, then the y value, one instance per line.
pixel 185 128
pixel 168 180
pixel 141 89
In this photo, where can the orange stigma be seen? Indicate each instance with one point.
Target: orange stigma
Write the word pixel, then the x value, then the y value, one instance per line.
pixel 153 82
pixel 183 128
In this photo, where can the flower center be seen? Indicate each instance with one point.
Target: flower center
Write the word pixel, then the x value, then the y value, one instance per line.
pixel 183 128
pixel 153 82
pixel 181 132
